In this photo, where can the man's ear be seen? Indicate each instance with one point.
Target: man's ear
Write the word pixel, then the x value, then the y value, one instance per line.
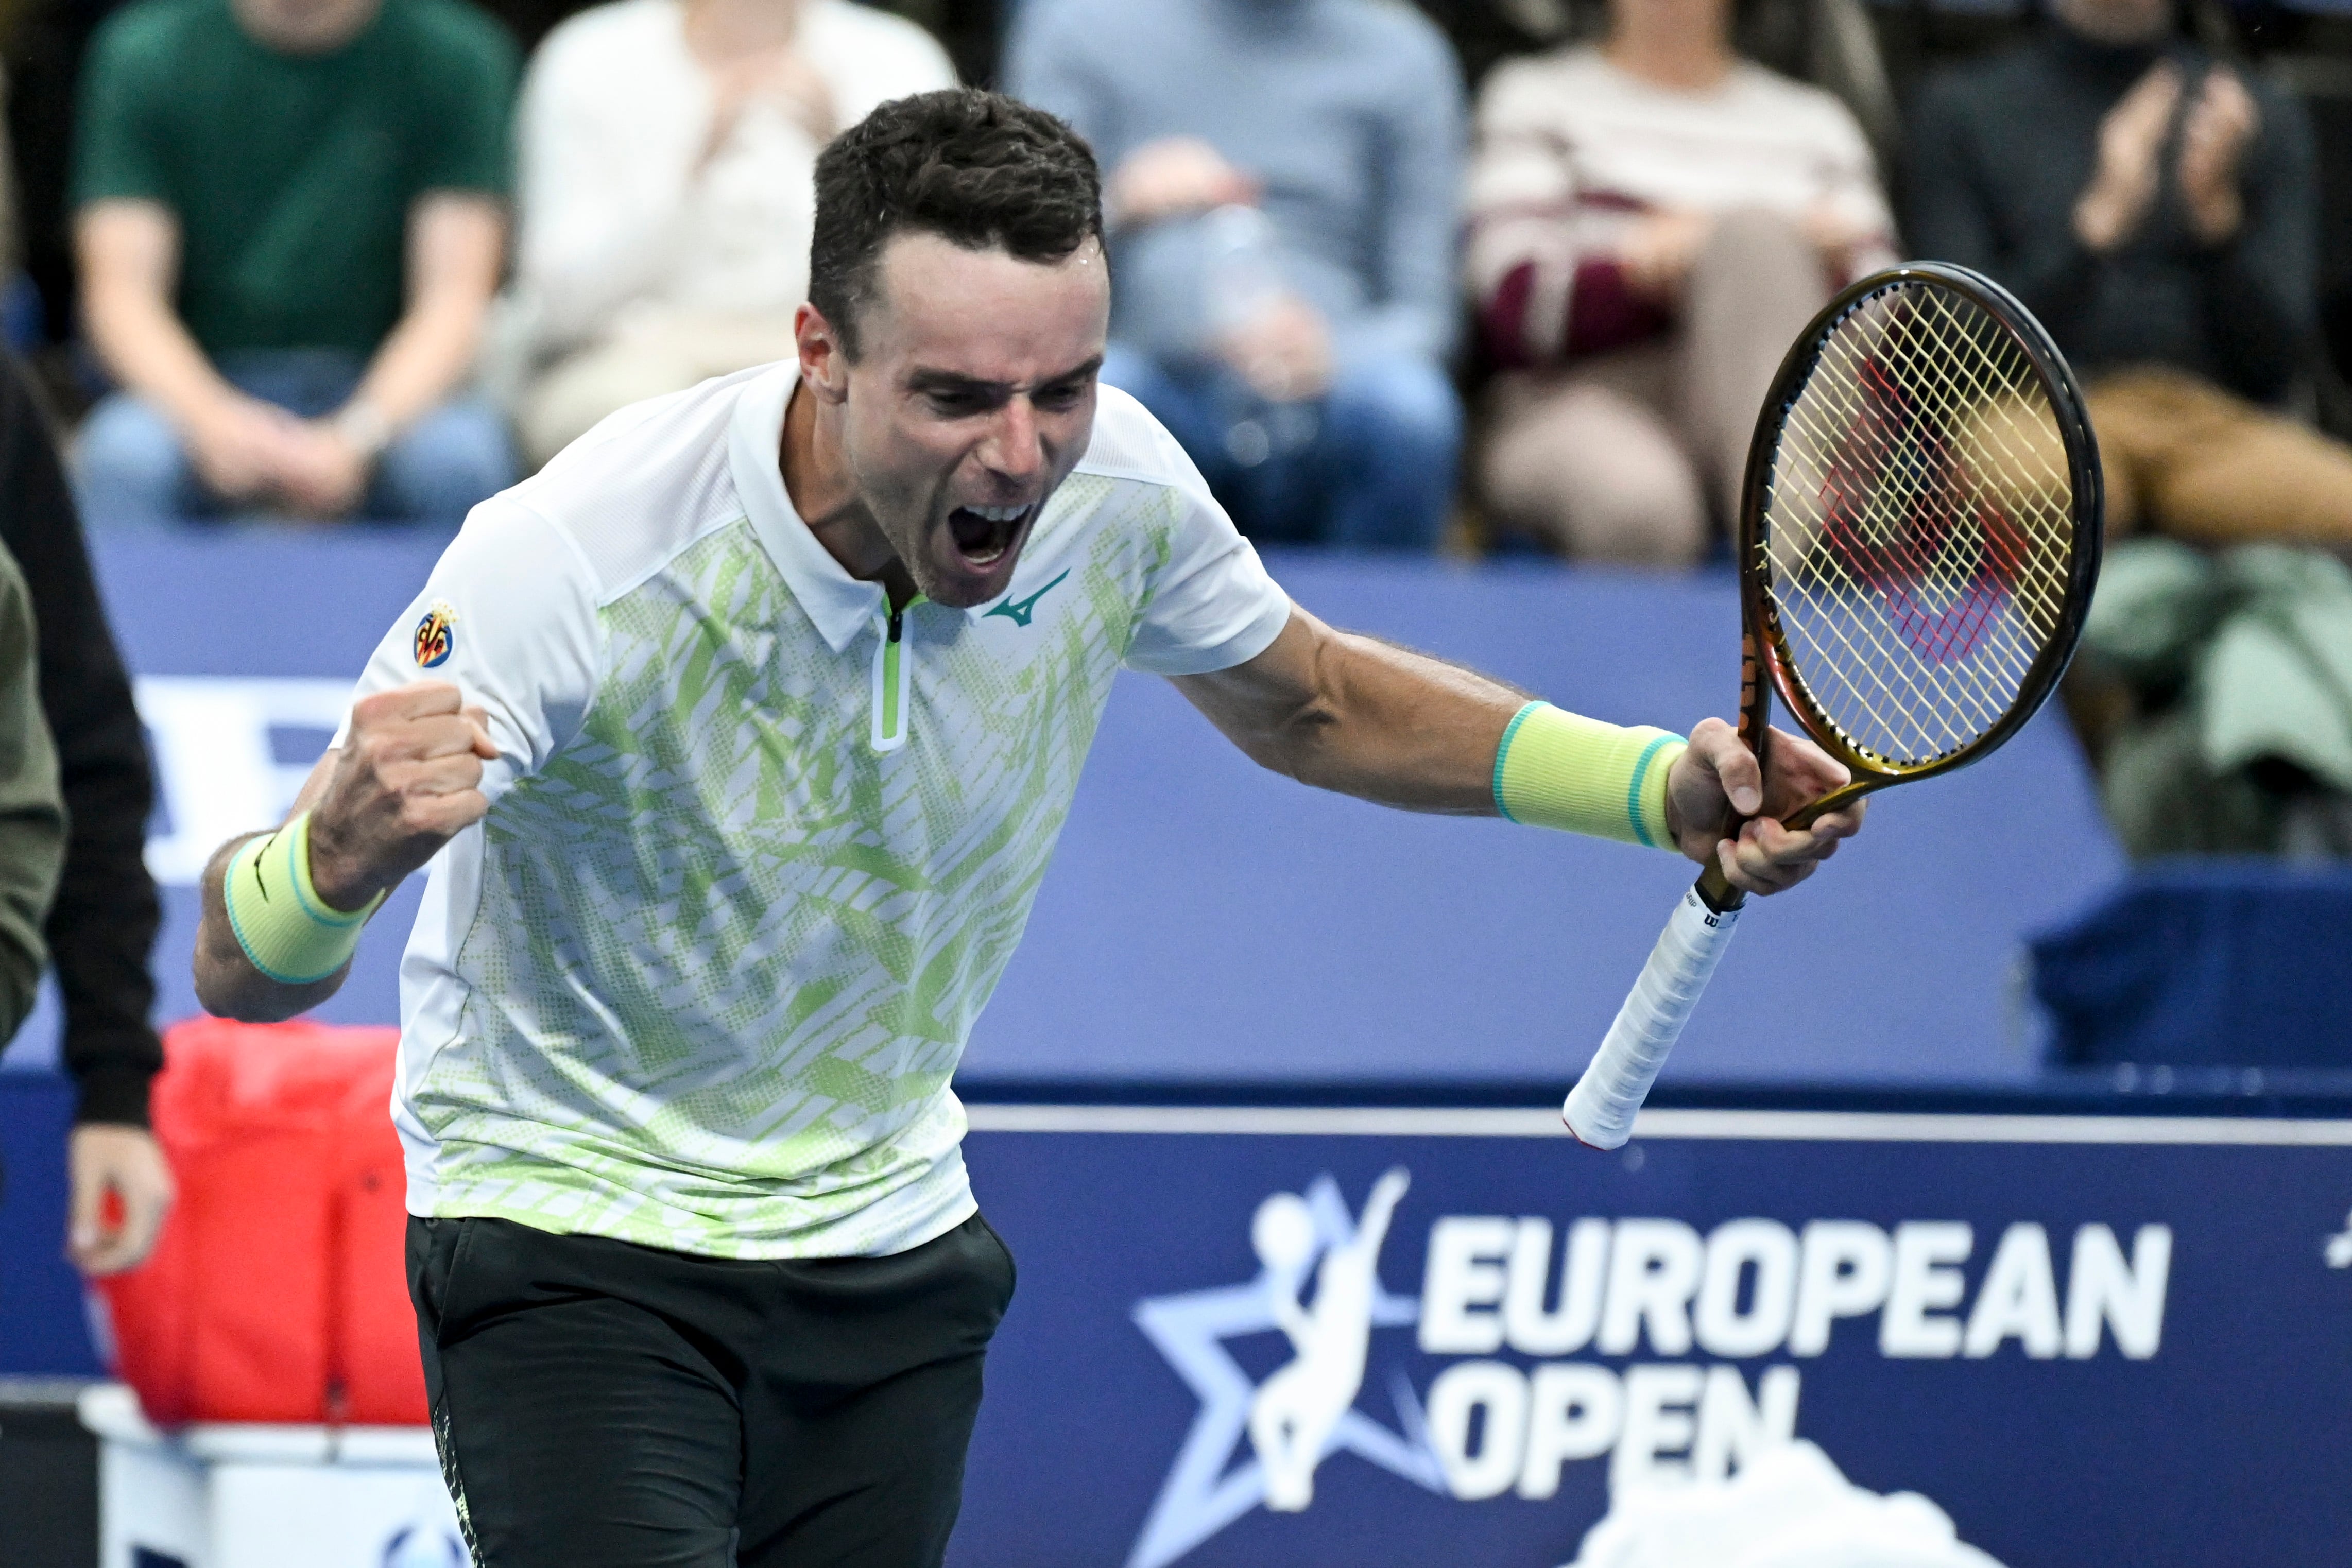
pixel 825 366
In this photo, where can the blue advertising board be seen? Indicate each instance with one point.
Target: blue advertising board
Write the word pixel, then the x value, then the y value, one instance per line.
pixel 2088 1340
pixel 1207 921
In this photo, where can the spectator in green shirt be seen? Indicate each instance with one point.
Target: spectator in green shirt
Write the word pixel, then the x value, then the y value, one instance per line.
pixel 289 217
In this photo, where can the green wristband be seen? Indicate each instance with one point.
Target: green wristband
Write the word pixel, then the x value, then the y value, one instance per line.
pixel 281 921
pixel 1560 769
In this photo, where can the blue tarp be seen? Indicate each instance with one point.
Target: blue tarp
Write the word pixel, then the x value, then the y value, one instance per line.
pixel 2222 963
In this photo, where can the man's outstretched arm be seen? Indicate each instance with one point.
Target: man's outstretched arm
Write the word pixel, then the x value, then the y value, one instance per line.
pixel 1363 718
pixel 406 779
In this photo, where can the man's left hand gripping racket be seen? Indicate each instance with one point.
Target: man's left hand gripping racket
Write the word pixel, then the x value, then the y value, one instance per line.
pixel 1919 535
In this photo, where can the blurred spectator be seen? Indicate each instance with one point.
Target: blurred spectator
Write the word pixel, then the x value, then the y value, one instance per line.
pixel 1652 223
pixel 20 303
pixel 1282 194
pixel 668 157
pixel 32 815
pixel 289 217
pixel 2157 210
pixel 2233 667
pixel 32 818
pixel 103 921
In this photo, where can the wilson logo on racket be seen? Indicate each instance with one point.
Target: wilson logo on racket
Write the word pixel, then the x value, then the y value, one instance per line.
pixel 1905 517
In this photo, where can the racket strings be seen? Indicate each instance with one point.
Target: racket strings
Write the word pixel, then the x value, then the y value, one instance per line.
pixel 2042 461
pixel 1880 700
pixel 1952 632
pixel 1866 651
pixel 1918 525
pixel 1866 559
pixel 1843 593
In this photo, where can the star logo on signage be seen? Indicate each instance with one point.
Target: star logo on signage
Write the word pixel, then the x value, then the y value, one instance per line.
pixel 1306 1410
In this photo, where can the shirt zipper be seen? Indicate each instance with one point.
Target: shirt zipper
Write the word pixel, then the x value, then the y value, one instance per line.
pixel 893 679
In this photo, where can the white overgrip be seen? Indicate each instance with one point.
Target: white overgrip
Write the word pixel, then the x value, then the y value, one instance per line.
pixel 1600 1109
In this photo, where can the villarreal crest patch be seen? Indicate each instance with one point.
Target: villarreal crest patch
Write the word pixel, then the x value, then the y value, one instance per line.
pixel 436 636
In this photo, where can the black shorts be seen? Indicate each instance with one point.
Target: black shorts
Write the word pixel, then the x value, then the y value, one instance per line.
pixel 602 1405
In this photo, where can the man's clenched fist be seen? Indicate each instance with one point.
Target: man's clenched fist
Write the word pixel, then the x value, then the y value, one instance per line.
pixel 408 778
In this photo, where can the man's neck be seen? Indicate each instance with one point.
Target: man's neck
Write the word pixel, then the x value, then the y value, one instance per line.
pixel 823 493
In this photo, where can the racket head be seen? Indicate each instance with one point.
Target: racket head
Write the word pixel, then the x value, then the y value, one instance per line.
pixel 1920 529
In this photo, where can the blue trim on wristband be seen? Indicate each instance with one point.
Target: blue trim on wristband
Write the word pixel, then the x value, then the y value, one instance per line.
pixel 298 873
pixel 1503 749
pixel 287 852
pixel 237 925
pixel 1633 790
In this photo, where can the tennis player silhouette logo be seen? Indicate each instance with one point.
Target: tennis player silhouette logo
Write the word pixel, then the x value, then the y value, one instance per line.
pixel 1296 1410
pixel 1261 1442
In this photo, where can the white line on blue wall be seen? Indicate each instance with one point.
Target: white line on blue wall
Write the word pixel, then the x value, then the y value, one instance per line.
pixel 1814 1126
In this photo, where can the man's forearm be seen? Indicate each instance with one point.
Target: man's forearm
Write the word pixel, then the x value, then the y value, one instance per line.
pixel 1404 729
pixel 1426 736
pixel 280 938
pixel 1363 718
pixel 228 982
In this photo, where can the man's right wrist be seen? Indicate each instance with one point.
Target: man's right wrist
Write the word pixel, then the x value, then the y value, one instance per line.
pixel 340 876
pixel 290 930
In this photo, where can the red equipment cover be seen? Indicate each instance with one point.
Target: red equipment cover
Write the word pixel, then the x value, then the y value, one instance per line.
pixel 278 1291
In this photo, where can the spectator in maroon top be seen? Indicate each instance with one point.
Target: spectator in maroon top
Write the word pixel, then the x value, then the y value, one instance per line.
pixel 1652 220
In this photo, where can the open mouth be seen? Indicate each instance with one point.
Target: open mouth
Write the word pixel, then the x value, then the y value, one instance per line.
pixel 982 534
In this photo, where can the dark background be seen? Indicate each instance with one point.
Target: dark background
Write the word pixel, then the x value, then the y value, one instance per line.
pixel 42 42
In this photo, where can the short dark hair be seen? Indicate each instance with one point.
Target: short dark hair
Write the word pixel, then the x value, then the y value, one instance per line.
pixel 980 169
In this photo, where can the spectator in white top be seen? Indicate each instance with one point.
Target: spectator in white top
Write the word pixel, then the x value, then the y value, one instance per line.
pixel 668 154
pixel 1650 222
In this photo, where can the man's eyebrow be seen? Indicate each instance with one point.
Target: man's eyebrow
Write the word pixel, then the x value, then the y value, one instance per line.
pixel 922 380
pixel 928 379
pixel 1077 372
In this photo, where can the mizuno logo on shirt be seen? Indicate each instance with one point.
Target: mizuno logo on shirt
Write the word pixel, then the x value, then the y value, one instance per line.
pixel 1018 610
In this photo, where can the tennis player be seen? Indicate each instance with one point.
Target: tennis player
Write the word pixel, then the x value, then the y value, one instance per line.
pixel 737 742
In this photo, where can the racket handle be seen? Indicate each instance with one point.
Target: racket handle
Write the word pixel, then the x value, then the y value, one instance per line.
pixel 1600 1109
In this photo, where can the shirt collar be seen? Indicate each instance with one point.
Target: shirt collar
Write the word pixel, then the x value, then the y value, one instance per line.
pixel 839 604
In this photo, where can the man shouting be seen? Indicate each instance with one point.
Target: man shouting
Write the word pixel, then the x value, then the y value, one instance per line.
pixel 739 740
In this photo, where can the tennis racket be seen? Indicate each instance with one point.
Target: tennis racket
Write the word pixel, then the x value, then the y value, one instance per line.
pixel 1919 534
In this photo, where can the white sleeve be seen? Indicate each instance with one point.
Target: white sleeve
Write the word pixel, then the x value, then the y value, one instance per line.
pixel 509 615
pixel 1213 605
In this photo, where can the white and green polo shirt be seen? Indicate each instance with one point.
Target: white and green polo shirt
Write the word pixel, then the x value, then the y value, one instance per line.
pixel 751 867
